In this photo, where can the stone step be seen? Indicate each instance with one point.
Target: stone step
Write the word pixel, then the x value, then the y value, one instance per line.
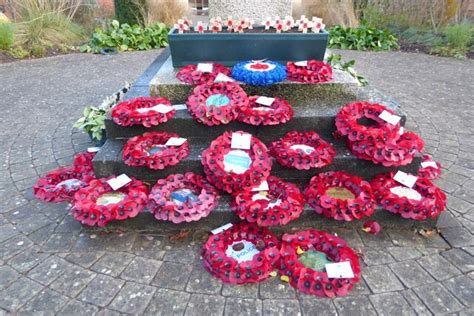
pixel 145 221
pixel 341 88
pixel 318 116
pixel 109 161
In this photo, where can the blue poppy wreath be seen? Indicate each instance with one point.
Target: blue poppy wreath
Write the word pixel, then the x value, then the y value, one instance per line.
pixel 259 72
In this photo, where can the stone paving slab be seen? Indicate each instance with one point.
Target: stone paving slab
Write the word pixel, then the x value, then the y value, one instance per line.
pixel 42 248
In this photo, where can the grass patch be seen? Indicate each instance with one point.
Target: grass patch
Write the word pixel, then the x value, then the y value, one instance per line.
pixel 7 35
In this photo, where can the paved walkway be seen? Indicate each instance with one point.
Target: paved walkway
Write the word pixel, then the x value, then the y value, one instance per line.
pixel 48 262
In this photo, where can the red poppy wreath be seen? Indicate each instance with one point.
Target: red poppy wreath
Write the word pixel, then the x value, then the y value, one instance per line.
pixel 217 103
pixel 398 152
pixel 192 75
pixel 430 169
pixel 97 204
pixel 279 111
pixel 243 253
pixel 153 150
pixel 146 111
pixel 233 170
pixel 61 184
pixel 424 200
pixel 304 256
pixel 302 151
pixel 340 196
pixel 182 198
pixel 279 205
pixel 348 118
pixel 312 71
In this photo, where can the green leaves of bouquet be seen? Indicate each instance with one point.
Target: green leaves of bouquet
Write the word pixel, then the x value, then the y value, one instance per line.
pixel 92 122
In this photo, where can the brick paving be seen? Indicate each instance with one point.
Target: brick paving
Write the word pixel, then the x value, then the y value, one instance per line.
pixel 50 263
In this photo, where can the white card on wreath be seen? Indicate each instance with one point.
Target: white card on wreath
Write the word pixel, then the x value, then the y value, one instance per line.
pixel 267 101
pixel 223 78
pixel 389 117
pixel 179 107
pixel 339 270
pixel 262 187
pixel 241 141
pixel 175 141
pixel 302 63
pixel 221 229
pixel 406 179
pixel 118 182
pixel 430 163
pixel 204 67
pixel 160 108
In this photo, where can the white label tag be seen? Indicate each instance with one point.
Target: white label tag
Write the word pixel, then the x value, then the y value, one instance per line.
pixel 339 270
pixel 406 179
pixel 305 148
pixel 430 163
pixel 179 107
pixel 302 63
pixel 118 182
pixel 175 141
pixel 223 78
pixel 265 101
pixel 406 192
pixel 262 187
pixel 390 118
pixel 161 108
pixel 221 229
pixel 93 149
pixel 241 141
pixel 204 67
pixel 401 130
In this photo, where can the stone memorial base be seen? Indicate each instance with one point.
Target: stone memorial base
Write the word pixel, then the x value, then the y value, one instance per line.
pixel 315 108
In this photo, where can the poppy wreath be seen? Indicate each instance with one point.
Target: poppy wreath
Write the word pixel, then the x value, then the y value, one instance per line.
pixel 189 74
pixel 314 72
pixel 430 203
pixel 429 172
pixel 399 152
pixel 135 112
pixel 221 252
pixel 340 196
pixel 302 150
pixel 259 72
pixel 149 150
pixel 61 184
pixel 347 123
pixel 217 103
pixel 282 203
pixel 279 112
pixel 97 203
pixel 83 162
pixel 182 198
pixel 213 161
pixel 309 276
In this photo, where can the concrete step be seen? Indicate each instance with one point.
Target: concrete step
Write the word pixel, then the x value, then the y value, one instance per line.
pixel 109 161
pixel 318 116
pixel 145 221
pixel 341 88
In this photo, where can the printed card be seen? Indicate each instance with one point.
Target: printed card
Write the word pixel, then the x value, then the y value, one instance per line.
pixel 223 78
pixel 406 179
pixel 241 141
pixel 265 101
pixel 221 229
pixel 175 141
pixel 262 187
pixel 430 163
pixel 118 182
pixel 389 117
pixel 204 67
pixel 339 270
pixel 93 149
pixel 302 63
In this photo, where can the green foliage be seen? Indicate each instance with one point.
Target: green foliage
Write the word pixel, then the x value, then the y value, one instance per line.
pixel 363 37
pixel 7 35
pixel 92 122
pixel 126 11
pixel 459 35
pixel 336 62
pixel 124 37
